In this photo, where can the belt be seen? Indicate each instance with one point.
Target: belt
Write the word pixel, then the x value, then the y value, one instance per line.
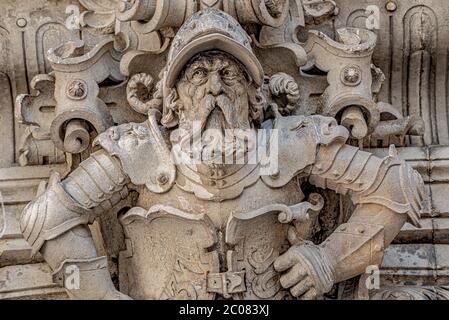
pixel 226 283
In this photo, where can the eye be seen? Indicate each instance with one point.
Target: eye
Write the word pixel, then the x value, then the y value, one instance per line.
pixel 228 74
pixel 198 74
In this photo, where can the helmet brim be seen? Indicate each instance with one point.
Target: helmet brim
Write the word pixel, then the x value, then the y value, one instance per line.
pixel 215 41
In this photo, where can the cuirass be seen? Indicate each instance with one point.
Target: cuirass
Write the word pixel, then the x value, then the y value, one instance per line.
pixel 208 249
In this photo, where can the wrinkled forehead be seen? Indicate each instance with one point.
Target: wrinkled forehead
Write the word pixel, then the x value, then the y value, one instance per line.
pixel 214 60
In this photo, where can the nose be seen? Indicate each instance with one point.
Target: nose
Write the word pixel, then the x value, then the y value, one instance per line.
pixel 215 85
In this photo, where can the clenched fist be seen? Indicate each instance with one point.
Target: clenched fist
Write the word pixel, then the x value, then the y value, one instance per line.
pixel 306 270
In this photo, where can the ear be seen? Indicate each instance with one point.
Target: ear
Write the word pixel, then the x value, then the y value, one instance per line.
pixel 257 103
pixel 170 112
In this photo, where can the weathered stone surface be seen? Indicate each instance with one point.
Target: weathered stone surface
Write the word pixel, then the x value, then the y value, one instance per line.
pixel 409 257
pixel 28 282
pixel 97 163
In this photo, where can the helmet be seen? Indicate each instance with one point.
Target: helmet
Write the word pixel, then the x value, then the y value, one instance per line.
pixel 206 30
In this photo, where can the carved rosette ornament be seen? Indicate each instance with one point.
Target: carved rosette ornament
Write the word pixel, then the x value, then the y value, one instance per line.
pixel 225 217
pixel 77 89
pixel 351 75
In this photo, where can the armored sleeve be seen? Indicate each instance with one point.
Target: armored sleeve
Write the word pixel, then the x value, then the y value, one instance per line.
pixel 383 190
pixel 94 187
pixel 389 181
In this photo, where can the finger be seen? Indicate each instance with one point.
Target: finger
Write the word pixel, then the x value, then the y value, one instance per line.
pixel 301 288
pixel 286 261
pixel 293 276
pixel 309 295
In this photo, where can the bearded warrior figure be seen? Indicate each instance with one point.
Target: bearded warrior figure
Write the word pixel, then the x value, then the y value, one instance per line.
pixel 203 227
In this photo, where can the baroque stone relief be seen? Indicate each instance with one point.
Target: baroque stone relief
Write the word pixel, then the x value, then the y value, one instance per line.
pixel 121 105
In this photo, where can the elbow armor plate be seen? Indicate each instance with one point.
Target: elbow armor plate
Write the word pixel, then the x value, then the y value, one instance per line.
pixel 95 186
pixel 389 182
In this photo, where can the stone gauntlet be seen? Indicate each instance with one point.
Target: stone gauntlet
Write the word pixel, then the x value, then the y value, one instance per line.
pixel 309 272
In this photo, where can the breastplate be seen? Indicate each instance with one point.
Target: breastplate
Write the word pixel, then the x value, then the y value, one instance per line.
pixel 182 247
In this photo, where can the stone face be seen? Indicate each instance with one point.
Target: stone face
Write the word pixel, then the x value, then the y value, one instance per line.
pixel 223 149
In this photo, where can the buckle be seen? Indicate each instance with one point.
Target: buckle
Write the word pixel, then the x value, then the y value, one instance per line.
pixel 226 283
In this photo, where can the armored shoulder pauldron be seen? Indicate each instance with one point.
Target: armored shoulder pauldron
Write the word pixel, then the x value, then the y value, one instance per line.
pixel 295 139
pixel 143 153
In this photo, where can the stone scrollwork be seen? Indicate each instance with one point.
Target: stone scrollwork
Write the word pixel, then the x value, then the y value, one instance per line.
pixel 37 112
pixel 37 109
pixel 138 90
pixel 393 124
pixel 99 16
pixel 412 293
pixel 352 83
pixel 158 14
pixel 271 13
pixel 348 75
pixel 78 74
pixel 147 16
pixel 282 85
pixel 316 11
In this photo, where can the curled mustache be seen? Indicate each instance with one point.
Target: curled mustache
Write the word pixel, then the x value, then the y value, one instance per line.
pixel 207 105
pixel 228 108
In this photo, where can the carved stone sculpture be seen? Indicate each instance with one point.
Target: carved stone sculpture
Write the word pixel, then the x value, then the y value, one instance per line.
pixel 224 149
pixel 202 226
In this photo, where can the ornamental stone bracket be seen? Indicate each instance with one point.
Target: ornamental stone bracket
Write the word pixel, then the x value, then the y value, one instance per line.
pixel 78 109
